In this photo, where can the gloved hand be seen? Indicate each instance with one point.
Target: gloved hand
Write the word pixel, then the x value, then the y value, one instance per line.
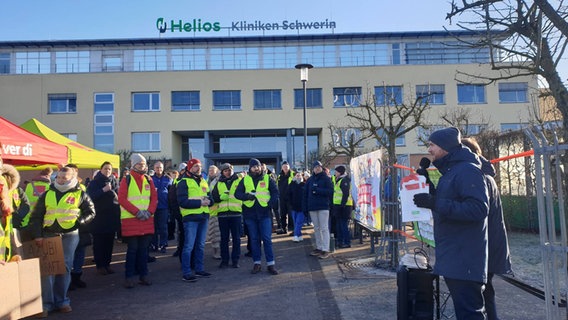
pixel 423 172
pixel 425 200
pixel 147 214
pixel 251 196
pixel 141 215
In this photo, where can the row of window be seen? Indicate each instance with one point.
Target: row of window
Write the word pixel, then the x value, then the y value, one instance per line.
pixel 272 99
pixel 239 58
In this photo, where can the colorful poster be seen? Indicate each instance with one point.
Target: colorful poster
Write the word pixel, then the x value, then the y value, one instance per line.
pixel 366 188
pixel 409 186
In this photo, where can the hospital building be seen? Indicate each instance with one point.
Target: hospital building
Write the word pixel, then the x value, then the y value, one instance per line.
pixel 229 98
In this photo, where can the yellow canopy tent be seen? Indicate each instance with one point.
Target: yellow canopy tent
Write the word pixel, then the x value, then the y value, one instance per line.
pixel 80 155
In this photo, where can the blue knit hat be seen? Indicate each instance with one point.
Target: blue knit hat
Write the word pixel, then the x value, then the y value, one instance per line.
pixel 254 162
pixel 447 138
pixel 317 164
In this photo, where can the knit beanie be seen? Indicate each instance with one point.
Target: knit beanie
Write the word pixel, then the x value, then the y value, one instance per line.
pixel 225 166
pixel 182 166
pixel 447 138
pixel 192 162
pixel 317 164
pixel 136 158
pixel 254 162
pixel 340 169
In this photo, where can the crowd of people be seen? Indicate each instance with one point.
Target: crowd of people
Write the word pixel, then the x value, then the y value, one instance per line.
pixel 144 209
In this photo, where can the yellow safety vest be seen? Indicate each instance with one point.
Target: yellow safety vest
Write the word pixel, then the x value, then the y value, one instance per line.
pixel 66 211
pixel 338 194
pixel 232 204
pixel 262 192
pixel 290 177
pixel 139 198
pixel 6 239
pixel 16 200
pixel 195 192
pixel 34 189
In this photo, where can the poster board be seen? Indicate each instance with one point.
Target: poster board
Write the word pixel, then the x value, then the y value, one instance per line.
pixel 409 186
pixel 21 296
pixel 50 255
pixel 424 230
pixel 366 189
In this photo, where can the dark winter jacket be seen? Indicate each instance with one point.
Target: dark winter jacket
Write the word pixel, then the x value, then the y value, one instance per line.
pixel 162 185
pixel 296 195
pixel 257 211
pixel 460 217
pixel 283 184
pixel 318 192
pixel 36 220
pixel 499 260
pixel 107 219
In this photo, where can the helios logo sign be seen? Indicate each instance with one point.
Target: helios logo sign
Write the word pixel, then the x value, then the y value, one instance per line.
pixel 196 25
pixel 200 25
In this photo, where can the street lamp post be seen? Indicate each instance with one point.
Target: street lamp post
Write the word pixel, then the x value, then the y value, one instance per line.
pixel 304 67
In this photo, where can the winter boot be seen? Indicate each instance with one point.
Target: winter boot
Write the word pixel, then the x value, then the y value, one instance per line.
pixel 76 280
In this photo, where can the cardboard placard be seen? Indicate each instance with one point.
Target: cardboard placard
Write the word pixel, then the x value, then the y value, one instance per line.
pixel 50 255
pixel 22 295
pixel 409 186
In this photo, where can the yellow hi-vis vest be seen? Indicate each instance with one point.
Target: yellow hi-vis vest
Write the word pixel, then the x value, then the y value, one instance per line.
pixel 233 204
pixel 338 194
pixel 139 198
pixel 34 189
pixel 66 211
pixel 195 192
pixel 262 192
pixel 290 177
pixel 6 239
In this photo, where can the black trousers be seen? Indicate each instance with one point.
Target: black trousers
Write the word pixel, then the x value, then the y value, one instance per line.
pixel 103 244
pixel 468 298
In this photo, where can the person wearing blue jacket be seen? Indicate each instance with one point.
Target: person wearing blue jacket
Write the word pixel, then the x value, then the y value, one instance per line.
pixel 318 193
pixel 259 195
pixel 162 182
pixel 499 258
pixel 460 209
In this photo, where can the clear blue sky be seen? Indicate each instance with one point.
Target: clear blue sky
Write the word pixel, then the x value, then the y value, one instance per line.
pixel 105 19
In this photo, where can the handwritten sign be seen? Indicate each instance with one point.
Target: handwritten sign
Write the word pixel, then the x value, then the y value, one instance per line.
pixel 409 186
pixel 50 255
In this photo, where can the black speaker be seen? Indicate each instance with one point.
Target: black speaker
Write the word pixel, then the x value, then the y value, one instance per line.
pixel 415 297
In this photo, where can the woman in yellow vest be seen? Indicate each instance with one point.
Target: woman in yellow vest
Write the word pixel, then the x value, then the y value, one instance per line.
pixel 229 211
pixel 259 194
pixel 138 201
pixel 20 204
pixel 58 213
pixel 342 207
pixel 194 201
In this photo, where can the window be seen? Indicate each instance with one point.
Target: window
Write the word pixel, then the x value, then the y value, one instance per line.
pixel 62 103
pixel 150 60
pixel 145 141
pixel 104 122
pixel 70 136
pixel 388 95
pixel 226 100
pixel 4 63
pixel 400 141
pixel 471 94
pixel 267 99
pixel 433 93
pixel 513 126
pixel 112 60
pixel 344 137
pixel 185 100
pixel 514 92
pixel 314 98
pixel 71 61
pixel 33 62
pixel 146 101
pixel 347 97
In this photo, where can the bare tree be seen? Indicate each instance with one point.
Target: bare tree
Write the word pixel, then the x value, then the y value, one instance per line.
pixel 526 38
pixel 462 117
pixel 346 141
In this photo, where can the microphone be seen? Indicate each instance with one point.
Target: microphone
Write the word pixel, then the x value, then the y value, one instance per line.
pixel 425 163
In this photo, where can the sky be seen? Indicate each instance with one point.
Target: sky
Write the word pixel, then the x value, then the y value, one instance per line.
pixel 119 19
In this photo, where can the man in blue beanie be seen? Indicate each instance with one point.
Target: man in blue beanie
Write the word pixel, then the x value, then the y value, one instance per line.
pixel 460 209
pixel 259 194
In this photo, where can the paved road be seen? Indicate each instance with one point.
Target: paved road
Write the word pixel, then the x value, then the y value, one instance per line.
pixel 345 286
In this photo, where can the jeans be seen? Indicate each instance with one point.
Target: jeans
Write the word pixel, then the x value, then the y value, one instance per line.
pixel 103 243
pixel 137 255
pixel 320 218
pixel 342 228
pixel 298 217
pixel 195 235
pixel 54 287
pixel 79 259
pixel 260 229
pixel 161 228
pixel 230 225
pixel 468 298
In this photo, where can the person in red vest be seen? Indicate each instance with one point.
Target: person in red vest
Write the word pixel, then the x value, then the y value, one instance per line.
pixel 138 201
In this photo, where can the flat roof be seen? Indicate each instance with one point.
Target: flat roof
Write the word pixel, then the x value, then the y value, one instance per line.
pixel 238 39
